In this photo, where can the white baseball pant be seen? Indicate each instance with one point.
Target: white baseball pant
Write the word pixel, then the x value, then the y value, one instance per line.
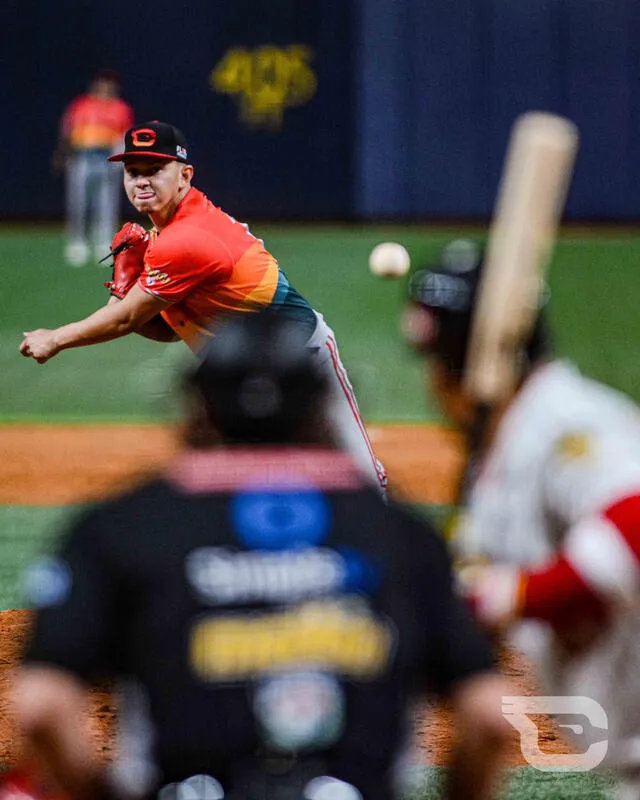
pixel 344 413
pixel 92 199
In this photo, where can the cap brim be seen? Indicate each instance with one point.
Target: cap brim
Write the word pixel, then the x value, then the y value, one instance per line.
pixel 145 154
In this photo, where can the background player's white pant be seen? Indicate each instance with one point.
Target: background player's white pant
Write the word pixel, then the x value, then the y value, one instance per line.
pixel 92 199
pixel 628 789
pixel 343 406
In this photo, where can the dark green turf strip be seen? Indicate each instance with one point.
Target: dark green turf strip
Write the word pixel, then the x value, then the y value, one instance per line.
pixel 529 784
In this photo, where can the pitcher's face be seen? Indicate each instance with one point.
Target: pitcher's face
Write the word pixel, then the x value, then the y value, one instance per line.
pixel 154 185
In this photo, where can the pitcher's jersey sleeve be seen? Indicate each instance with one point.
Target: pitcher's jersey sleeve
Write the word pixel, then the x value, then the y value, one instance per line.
pixel 209 261
pixel 181 260
pixel 206 264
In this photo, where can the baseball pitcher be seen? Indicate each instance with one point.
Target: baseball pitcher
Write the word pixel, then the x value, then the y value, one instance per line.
pixel 194 268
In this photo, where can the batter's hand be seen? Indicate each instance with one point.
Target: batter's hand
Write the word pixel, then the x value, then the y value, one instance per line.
pixel 494 593
pixel 39 345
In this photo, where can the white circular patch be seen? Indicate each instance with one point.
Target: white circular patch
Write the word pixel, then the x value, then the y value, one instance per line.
pixel 47 582
pixel 302 710
pixel 327 788
pixel 197 787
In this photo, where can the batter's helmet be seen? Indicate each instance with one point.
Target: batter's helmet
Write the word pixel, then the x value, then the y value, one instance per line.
pixel 443 298
pixel 259 380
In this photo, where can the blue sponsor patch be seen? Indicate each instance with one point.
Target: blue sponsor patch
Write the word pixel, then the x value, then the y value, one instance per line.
pixel 280 519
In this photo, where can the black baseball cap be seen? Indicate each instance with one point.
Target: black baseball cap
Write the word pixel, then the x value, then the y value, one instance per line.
pixel 154 140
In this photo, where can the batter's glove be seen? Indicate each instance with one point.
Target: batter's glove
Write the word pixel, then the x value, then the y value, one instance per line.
pixel 127 248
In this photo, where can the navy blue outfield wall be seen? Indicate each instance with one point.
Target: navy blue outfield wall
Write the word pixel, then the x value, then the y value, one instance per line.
pixel 262 90
pixel 462 71
pixel 322 109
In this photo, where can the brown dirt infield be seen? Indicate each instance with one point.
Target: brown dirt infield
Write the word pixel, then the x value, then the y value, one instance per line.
pixel 51 465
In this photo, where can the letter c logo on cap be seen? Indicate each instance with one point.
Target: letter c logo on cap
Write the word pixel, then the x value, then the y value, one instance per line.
pixel 143 137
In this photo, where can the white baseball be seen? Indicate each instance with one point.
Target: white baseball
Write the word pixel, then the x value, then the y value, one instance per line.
pixel 389 260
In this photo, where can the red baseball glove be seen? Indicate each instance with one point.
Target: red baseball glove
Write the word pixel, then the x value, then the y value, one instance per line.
pixel 127 248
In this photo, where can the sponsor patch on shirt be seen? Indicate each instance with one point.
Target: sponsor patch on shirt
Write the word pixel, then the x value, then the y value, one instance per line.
pixel 281 518
pixel 575 446
pixel 155 276
pixel 221 575
pixel 344 638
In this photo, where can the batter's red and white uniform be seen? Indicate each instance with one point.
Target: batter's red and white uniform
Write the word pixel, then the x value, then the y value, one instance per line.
pixel 208 265
pixel 559 495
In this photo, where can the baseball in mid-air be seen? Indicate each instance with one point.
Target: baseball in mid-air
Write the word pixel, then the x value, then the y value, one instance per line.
pixel 389 260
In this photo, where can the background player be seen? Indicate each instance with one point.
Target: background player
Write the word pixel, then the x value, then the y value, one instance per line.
pixel 273 640
pixel 197 266
pixel 91 129
pixel 555 504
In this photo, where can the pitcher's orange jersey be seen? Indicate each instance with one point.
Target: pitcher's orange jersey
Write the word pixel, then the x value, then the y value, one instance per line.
pixel 208 264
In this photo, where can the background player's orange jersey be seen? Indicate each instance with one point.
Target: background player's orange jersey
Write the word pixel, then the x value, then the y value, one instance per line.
pixel 96 123
pixel 207 264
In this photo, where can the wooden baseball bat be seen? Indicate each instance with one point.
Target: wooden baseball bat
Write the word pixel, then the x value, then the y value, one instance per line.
pixel 530 203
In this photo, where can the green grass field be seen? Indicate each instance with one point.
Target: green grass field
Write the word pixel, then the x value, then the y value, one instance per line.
pixel 529 784
pixel 594 280
pixel 593 311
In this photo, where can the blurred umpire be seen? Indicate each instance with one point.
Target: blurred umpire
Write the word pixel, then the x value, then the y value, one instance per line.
pixel 268 616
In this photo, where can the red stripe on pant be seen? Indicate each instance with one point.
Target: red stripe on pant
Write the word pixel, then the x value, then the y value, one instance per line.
pixel 353 405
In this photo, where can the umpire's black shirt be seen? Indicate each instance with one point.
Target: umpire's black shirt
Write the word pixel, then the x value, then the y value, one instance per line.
pixel 270 610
